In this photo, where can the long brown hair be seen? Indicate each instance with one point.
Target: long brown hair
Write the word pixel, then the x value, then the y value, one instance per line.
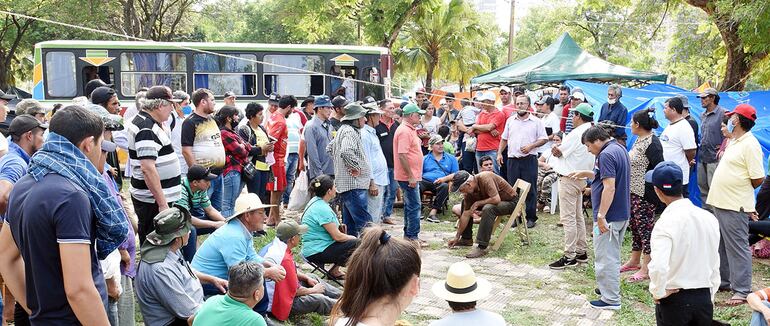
pixel 380 267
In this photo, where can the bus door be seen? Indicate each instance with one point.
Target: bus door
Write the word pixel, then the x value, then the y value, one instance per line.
pixel 96 64
pixel 345 66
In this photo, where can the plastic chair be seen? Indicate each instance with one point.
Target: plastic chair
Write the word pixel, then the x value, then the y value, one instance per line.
pixel 322 268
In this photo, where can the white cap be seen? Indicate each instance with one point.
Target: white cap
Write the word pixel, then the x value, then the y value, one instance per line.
pixel 505 89
pixel 488 96
pixel 579 95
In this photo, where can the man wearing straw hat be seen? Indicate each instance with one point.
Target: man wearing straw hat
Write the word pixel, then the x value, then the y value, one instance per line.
pixel 461 290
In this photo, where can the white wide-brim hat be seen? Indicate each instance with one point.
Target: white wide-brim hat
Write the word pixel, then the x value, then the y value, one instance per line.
pixel 246 203
pixel 461 285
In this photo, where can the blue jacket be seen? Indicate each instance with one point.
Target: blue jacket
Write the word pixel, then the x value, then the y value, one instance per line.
pixel 618 114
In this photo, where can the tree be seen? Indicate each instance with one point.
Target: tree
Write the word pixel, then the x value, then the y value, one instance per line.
pixel 743 27
pixel 440 39
pixel 158 20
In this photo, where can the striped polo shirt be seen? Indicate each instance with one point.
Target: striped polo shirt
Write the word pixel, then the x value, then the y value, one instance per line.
pixel 148 140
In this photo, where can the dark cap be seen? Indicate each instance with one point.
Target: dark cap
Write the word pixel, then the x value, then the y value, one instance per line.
pixel 309 99
pixel 93 84
pixel 274 97
pixel 339 101
pixel 102 94
pixel 24 123
pixel 667 176
pixel 160 92
pixel 229 94
pixel 112 122
pixel 6 97
pixel 197 172
pixel 368 100
pixel 459 179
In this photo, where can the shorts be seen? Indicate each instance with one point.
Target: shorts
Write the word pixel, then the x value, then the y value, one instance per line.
pixel 278 182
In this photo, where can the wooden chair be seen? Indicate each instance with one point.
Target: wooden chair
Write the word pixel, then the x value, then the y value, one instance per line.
pixel 518 214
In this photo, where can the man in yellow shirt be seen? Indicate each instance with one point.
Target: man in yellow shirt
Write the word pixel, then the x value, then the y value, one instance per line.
pixel 732 196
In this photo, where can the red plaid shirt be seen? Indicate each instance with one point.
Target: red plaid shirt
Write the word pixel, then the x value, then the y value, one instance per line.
pixel 236 151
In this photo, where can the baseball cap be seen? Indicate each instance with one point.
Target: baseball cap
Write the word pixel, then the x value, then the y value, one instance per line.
pixel 309 99
pixel 579 96
pixel 102 94
pixel 160 92
pixel 368 100
pixel 274 97
pixel 322 101
pixel 6 97
pixel 708 91
pixel 411 108
pixel 289 228
pixel 25 123
pixel 93 84
pixel 585 109
pixel 685 101
pixel 435 139
pixel 746 110
pixel 505 89
pixel 488 96
pixel 459 179
pixel 340 101
pixel 229 94
pixel 519 89
pixel 169 225
pixel 197 172
pixel 543 99
pixel 667 176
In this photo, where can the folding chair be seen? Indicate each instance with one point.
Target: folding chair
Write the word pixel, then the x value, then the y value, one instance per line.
pixel 517 215
pixel 321 268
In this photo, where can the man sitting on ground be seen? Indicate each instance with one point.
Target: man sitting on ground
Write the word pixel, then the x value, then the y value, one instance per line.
pixel 298 293
pixel 437 169
pixel 461 290
pixel 205 218
pixel 244 291
pixel 495 197
pixel 167 289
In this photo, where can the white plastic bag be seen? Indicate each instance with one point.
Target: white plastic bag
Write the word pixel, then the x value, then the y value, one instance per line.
pixel 299 194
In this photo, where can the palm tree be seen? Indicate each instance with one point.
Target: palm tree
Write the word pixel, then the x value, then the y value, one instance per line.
pixel 444 43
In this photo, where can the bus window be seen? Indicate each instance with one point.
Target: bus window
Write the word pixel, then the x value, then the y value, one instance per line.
pixel 286 81
pixel 372 75
pixel 60 74
pixel 147 69
pixel 222 74
pixel 105 73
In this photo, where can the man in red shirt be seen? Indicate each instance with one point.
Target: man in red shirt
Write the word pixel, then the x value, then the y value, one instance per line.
pixel 278 130
pixel 489 125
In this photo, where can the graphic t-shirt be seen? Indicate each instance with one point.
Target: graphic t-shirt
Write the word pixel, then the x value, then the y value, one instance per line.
pixel 202 133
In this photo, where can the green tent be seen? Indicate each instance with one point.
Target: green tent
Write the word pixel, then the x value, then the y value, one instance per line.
pixel 560 61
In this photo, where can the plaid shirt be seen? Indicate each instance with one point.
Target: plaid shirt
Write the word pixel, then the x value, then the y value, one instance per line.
pixel 236 151
pixel 347 149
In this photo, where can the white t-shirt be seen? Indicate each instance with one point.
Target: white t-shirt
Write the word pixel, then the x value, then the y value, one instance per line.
pixel 677 138
pixel 550 121
pixel 468 115
pixel 111 268
pixel 432 126
pixel 344 321
pixel 474 317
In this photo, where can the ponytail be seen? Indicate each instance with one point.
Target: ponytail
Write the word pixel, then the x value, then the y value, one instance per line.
pixel 646 119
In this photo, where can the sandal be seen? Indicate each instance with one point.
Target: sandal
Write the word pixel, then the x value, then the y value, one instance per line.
pixel 637 277
pixel 735 300
pixel 625 268
pixel 340 277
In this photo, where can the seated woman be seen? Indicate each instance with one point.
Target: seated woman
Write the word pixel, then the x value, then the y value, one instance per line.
pixel 324 242
pixel 383 279
pixel 546 176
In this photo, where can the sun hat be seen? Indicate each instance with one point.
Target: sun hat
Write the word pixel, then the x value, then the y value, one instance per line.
pixel 246 203
pixel 169 225
pixel 354 111
pixel 322 101
pixel 461 285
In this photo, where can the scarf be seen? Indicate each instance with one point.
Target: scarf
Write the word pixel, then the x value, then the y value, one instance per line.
pixel 60 156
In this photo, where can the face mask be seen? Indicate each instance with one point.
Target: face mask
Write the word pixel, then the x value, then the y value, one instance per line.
pixel 730 126
pixel 611 100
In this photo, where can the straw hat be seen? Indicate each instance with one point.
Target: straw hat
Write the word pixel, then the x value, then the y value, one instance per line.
pixel 246 203
pixel 461 285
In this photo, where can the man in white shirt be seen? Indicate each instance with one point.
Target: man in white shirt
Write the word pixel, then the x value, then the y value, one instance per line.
pixel 684 270
pixel 569 157
pixel 678 140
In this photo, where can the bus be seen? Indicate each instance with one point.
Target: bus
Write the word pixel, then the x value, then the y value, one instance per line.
pixel 63 67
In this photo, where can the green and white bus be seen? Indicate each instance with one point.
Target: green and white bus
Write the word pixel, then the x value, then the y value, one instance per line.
pixel 62 69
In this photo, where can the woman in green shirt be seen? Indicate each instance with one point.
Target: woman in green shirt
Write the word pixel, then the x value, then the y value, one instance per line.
pixel 324 242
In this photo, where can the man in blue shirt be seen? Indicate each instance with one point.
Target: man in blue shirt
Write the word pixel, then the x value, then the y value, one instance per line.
pixel 233 243
pixel 26 138
pixel 437 168
pixel 610 198
pixel 615 112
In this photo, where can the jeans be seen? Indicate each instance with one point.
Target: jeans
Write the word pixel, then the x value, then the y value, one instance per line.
pixel 126 302
pixel 493 155
pixel 763 199
pixel 320 303
pixel 757 319
pixel 607 263
pixel 686 307
pixel 440 193
pixel 734 252
pixel 412 207
pixel 291 174
pixel 215 193
pixel 232 187
pixel 374 204
pixel 258 185
pixel 390 195
pixel 112 311
pixel 525 168
pixel 354 213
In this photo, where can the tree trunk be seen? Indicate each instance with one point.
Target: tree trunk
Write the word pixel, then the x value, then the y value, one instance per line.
pixel 429 76
pixel 5 72
pixel 396 29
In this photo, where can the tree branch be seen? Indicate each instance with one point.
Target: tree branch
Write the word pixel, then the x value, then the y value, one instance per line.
pixel 396 29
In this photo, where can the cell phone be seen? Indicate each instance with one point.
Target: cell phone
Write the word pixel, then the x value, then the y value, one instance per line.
pixel 272 139
pixel 548 131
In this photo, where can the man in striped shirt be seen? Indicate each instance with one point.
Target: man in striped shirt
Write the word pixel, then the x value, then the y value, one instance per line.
pixel 155 178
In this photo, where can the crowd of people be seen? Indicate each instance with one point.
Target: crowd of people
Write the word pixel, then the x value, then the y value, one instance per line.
pixel 189 161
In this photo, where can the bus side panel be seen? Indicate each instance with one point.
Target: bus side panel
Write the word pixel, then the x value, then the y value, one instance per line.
pixel 38 90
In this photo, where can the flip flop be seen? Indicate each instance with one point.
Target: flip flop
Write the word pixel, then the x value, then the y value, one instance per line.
pixel 735 301
pixel 625 268
pixel 637 278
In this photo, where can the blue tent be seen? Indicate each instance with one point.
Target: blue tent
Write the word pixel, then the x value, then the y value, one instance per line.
pixel 656 94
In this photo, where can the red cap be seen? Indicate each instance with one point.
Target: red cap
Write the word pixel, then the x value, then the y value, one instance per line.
pixel 746 111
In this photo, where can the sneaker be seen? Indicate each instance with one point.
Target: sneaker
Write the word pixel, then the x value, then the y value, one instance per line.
pixel 599 304
pixel 476 252
pixel 582 258
pixel 531 224
pixel 563 263
pixel 388 220
pixel 433 219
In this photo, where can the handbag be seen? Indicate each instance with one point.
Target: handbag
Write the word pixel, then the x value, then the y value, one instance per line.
pixel 249 171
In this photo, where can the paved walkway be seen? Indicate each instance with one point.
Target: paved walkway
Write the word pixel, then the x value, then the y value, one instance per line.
pixel 523 294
